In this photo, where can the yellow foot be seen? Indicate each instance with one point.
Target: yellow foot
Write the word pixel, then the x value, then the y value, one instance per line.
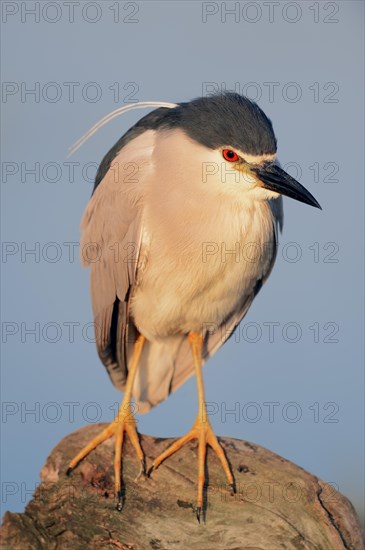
pixel 202 431
pixel 124 422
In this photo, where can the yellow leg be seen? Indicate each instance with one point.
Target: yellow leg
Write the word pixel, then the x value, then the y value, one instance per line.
pixel 124 422
pixel 201 430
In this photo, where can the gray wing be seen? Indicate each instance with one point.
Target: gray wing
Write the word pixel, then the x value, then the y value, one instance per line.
pixel 110 244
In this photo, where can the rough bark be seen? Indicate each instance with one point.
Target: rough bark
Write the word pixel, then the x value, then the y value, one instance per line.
pixel 278 505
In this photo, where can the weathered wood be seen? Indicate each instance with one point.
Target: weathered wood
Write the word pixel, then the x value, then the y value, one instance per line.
pixel 278 505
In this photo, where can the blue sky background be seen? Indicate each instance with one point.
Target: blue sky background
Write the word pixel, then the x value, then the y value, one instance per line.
pixel 304 66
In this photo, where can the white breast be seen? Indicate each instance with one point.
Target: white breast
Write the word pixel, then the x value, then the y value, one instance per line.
pixel 195 274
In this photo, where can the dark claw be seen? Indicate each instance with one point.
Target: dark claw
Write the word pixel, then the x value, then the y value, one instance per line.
pixel 119 506
pixel 69 470
pixel 149 473
pixel 198 513
pixel 142 470
pixel 233 487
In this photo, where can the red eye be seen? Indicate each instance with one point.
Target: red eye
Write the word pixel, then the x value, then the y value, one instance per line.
pixel 230 155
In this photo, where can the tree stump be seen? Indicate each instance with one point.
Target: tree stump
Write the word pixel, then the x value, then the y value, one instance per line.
pixel 278 505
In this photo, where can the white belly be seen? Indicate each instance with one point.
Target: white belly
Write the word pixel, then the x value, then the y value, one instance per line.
pixel 192 277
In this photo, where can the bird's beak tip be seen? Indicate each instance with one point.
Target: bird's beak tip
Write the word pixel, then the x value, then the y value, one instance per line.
pixel 275 179
pixel 314 203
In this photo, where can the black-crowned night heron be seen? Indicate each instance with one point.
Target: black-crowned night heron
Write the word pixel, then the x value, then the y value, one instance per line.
pixel 172 200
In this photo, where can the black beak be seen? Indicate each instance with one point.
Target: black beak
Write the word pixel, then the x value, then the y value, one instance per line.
pixel 274 178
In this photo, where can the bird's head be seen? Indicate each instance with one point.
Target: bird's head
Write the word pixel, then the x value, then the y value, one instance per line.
pixel 233 143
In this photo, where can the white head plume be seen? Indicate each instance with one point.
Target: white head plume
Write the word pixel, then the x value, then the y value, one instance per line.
pixel 114 114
